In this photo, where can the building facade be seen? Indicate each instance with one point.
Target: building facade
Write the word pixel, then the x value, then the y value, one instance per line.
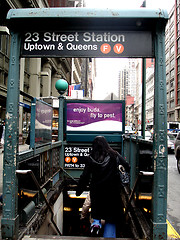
pixel 149 97
pixel 177 59
pixel 170 65
pixel 122 79
pixel 39 75
pixel 172 50
pixel 172 55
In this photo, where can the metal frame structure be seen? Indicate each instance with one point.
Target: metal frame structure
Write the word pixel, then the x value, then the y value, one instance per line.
pixel 21 20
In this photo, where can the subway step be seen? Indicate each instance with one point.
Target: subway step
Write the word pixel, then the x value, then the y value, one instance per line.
pixel 47 237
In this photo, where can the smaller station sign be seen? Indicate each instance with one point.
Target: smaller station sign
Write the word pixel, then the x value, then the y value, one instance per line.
pixel 75 156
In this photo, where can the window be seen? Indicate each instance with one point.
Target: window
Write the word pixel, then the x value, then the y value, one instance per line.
pixel 178 28
pixel 172 104
pixel 178 80
pixel 172 73
pixel 177 12
pixel 172 50
pixel 167 68
pixel 171 84
pixel 5 79
pixel 178 113
pixel 178 64
pixel 171 29
pixel 172 39
pixel 171 20
pixel 172 94
pixel 167 76
pixel 7 46
pixel 178 97
pixel 171 117
pixel 167 56
pixel 178 46
pixel 167 44
pixel 172 63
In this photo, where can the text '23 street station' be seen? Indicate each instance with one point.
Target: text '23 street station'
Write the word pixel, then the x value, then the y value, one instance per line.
pixel 87 44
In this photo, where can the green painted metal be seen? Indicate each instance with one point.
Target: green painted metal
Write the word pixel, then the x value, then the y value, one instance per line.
pixel 132 162
pixel 61 85
pixel 160 138
pixel 143 125
pixel 87 137
pixel 61 122
pixel 131 154
pixel 85 13
pixel 32 126
pixel 56 19
pixel 143 91
pixel 61 129
pixel 10 219
pixel 108 19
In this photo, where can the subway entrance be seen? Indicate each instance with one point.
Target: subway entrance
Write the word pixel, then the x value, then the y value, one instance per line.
pixel 84 33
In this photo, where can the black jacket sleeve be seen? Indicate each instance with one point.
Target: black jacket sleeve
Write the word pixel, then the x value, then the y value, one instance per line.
pixel 84 180
pixel 122 161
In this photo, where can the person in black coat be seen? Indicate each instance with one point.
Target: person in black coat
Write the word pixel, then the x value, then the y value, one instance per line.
pixel 100 173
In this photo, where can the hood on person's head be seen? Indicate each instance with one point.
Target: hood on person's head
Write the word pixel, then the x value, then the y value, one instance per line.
pixel 100 148
pixel 100 142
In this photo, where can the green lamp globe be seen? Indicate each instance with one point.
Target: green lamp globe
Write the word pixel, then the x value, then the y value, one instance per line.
pixel 61 86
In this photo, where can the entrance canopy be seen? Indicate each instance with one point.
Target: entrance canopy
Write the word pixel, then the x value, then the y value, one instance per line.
pixel 83 32
pixel 84 18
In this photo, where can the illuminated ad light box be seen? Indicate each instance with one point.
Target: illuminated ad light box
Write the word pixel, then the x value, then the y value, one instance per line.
pixel 43 122
pixel 95 117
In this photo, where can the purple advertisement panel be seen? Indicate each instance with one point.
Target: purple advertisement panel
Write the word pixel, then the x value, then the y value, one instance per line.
pixel 94 116
pixel 43 122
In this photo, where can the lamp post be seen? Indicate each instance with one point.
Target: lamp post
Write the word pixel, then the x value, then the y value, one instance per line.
pixel 61 86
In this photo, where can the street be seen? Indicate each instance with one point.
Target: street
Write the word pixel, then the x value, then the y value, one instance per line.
pixel 173 201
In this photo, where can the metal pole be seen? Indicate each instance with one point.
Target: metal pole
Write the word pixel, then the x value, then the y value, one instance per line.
pixel 159 201
pixel 32 126
pixel 143 124
pixel 10 218
pixel 61 129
